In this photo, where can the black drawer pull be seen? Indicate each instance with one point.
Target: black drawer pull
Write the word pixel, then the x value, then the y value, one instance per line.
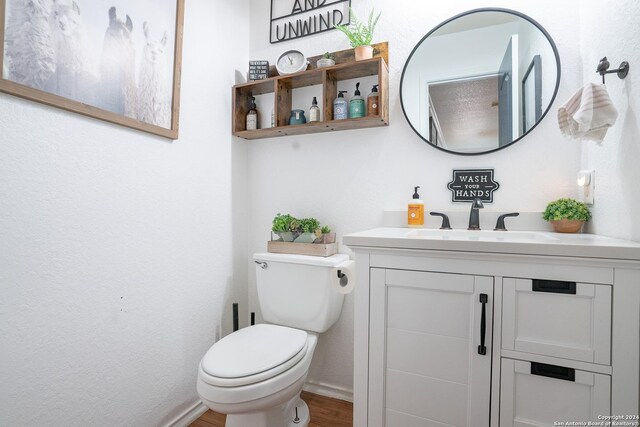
pixel 553 371
pixel 482 349
pixel 553 286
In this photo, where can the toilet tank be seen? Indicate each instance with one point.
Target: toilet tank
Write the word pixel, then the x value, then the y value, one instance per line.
pixel 296 290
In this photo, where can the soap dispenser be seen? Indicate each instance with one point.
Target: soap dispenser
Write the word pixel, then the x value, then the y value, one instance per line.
pixel 415 211
pixel 373 102
pixel 252 115
pixel 340 109
pixel 356 104
pixel 314 111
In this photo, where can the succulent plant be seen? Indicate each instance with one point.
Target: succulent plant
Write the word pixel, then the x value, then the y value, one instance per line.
pixel 566 209
pixel 282 223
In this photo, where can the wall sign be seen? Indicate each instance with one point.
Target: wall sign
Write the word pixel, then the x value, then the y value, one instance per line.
pixel 469 184
pixel 292 19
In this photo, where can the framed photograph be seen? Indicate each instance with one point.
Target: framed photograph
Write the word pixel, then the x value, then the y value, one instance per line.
pixel 116 60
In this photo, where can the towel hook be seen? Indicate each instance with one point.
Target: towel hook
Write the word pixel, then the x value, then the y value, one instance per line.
pixel 603 68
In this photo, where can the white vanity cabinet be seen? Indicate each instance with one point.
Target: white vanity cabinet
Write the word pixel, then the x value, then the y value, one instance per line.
pixel 561 331
pixel 430 348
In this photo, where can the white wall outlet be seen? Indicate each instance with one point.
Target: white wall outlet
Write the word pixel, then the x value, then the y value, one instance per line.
pixel 586 180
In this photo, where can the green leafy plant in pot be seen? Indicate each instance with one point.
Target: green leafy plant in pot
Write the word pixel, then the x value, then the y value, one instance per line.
pixel 566 215
pixel 307 228
pixel 324 235
pixel 286 227
pixel 360 34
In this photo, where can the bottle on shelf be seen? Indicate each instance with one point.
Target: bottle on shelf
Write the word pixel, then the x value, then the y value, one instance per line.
pixel 252 115
pixel 314 111
pixel 356 104
pixel 373 102
pixel 340 107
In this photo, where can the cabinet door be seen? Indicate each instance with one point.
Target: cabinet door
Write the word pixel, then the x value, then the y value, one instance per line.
pixel 426 336
pixel 559 319
pixel 536 395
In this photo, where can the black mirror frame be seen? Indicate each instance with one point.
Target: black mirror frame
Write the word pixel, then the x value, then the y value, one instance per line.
pixel 469 12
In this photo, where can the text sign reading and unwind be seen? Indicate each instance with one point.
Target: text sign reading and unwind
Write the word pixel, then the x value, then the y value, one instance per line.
pixel 292 19
pixel 471 184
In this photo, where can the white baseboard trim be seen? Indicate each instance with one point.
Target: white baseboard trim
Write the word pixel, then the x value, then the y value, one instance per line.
pixel 328 390
pixel 190 415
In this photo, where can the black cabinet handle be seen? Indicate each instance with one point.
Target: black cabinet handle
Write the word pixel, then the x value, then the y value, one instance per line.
pixel 553 371
pixel 445 220
pixel 482 349
pixel 553 286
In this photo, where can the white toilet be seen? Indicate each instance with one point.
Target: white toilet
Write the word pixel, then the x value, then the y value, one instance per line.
pixel 255 375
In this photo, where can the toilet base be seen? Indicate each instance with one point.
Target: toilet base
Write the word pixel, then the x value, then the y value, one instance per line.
pixel 279 416
pixel 303 415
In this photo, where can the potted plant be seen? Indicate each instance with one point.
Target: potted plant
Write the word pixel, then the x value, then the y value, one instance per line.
pixel 285 226
pixel 566 215
pixel 359 34
pixel 324 235
pixel 327 60
pixel 307 228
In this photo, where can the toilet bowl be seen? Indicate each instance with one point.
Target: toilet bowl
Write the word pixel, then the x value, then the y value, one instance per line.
pixel 261 383
pixel 255 375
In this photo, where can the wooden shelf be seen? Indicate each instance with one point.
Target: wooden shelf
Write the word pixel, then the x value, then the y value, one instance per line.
pixel 328 77
pixel 315 127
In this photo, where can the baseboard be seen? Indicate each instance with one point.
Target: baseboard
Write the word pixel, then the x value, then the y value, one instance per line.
pixel 328 390
pixel 190 415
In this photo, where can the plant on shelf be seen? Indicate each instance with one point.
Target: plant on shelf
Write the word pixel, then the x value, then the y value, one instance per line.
pixel 360 34
pixel 328 59
pixel 566 215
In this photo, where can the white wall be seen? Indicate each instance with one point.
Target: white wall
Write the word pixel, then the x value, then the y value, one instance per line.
pixel 115 260
pixel 347 179
pixel 615 160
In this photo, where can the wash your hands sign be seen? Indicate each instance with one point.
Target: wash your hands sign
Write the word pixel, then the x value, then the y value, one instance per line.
pixel 469 184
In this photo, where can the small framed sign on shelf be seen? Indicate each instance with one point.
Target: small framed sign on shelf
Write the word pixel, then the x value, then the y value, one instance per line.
pixel 258 70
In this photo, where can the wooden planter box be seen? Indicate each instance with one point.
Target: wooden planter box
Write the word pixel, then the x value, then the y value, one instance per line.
pixel 313 249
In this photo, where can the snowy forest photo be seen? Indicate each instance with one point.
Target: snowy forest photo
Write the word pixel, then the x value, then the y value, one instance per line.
pixel 115 55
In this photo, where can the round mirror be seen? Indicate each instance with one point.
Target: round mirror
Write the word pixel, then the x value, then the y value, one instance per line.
pixel 480 81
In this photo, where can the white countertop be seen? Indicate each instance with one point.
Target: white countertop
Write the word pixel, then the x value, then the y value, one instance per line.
pixel 511 242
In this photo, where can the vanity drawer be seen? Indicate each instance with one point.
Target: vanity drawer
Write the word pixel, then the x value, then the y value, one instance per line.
pixel 534 394
pixel 559 319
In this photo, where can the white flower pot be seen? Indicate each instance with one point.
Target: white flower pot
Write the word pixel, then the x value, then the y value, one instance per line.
pixel 325 62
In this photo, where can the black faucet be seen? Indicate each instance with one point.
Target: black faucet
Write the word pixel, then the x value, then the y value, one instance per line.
pixel 474 216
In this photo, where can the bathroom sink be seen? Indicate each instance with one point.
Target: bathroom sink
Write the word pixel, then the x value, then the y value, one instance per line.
pixel 482 235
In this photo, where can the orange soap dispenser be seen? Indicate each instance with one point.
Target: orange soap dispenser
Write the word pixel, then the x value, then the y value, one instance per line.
pixel 415 214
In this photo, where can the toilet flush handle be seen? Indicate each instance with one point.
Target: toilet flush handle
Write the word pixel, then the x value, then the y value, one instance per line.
pixel 262 264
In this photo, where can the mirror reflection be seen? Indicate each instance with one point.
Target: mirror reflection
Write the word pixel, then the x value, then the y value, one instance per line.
pixel 480 81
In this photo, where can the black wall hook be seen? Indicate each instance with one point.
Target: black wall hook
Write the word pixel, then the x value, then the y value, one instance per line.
pixel 603 68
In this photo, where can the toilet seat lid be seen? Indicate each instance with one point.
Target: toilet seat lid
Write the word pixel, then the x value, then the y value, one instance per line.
pixel 252 350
